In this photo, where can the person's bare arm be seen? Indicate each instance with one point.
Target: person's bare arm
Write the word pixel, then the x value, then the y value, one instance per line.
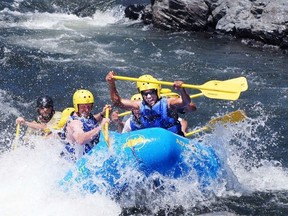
pixel 115 97
pixel 182 101
pixel 34 125
pixel 117 121
pixel 76 134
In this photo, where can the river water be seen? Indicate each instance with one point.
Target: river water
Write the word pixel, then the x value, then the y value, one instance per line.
pixel 55 53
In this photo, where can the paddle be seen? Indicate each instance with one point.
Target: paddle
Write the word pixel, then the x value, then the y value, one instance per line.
pixel 169 93
pixel 232 117
pixel 106 133
pixel 191 96
pixel 124 113
pixel 216 89
pixel 16 136
pixel 241 80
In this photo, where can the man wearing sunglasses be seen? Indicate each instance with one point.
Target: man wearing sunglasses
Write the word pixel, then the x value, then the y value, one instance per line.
pixel 155 111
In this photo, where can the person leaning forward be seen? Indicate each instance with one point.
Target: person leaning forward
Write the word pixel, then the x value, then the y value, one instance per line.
pixel 82 130
pixel 155 111
pixel 47 117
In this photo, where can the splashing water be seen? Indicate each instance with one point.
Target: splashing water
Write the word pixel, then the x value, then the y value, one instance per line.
pixel 29 176
pixel 28 185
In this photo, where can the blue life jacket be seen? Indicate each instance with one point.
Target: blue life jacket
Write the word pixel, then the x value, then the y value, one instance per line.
pixel 159 116
pixel 88 124
pixel 135 123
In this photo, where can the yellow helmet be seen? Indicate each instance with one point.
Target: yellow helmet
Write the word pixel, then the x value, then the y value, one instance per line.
pixel 142 86
pixel 165 91
pixel 136 97
pixel 168 93
pixel 82 96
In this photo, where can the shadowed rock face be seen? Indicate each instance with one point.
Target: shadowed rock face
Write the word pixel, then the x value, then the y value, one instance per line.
pixel 262 20
pixel 179 14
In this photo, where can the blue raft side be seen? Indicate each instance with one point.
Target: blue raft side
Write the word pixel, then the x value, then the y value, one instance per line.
pixel 148 150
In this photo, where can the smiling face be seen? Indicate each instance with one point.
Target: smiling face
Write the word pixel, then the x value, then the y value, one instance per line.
pixel 150 96
pixel 45 113
pixel 84 109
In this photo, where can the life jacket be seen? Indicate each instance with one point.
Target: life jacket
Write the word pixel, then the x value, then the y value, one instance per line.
pixel 159 115
pixel 135 123
pixel 88 124
pixel 51 124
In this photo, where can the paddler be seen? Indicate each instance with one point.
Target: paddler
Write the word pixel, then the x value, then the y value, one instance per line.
pixel 47 117
pixel 155 111
pixel 82 130
pixel 132 123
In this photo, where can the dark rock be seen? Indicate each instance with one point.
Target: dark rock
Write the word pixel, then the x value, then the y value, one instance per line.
pixel 262 20
pixel 180 15
pixel 134 11
pixel 83 8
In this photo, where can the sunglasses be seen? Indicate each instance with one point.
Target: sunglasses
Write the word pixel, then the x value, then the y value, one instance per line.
pixel 152 92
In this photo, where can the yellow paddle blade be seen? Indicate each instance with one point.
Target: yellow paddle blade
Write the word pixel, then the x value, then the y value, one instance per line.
pixel 14 146
pixel 220 90
pixel 211 89
pixel 64 117
pixel 240 80
pixel 232 117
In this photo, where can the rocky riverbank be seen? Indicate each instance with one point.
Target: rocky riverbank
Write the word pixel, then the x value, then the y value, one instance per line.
pixel 260 21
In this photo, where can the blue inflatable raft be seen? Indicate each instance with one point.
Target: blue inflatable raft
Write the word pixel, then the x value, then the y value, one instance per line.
pixel 149 151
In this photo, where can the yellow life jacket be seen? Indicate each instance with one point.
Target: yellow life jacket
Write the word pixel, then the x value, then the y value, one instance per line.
pixel 49 125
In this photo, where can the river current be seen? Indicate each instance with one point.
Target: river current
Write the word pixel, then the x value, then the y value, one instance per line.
pixel 55 53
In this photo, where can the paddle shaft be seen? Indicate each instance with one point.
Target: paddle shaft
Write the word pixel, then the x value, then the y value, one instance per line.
pixel 197 131
pixel 106 129
pixel 16 136
pixel 172 84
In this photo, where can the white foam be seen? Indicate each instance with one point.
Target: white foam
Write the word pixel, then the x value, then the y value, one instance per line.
pixel 62 21
pixel 28 186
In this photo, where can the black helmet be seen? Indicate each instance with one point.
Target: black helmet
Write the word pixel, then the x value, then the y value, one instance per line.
pixel 44 101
